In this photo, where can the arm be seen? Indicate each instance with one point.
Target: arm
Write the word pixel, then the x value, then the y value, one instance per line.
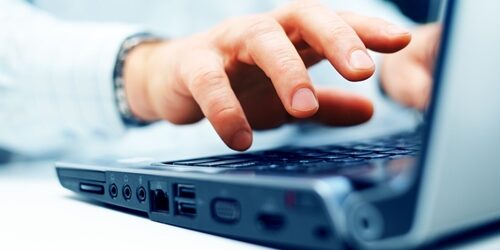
pixel 246 73
pixel 55 80
pixel 251 72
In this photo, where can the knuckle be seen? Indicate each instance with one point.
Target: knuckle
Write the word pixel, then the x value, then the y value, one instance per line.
pixel 222 112
pixel 287 63
pixel 218 103
pixel 308 4
pixel 207 78
pixel 339 31
pixel 220 107
pixel 262 25
pixel 304 7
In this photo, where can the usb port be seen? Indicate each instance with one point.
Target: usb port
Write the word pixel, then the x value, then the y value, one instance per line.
pixel 186 208
pixel 185 191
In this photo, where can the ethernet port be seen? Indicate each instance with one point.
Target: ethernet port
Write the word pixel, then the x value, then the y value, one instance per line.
pixel 159 201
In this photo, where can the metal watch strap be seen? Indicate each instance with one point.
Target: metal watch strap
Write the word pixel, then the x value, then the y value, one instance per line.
pixel 119 85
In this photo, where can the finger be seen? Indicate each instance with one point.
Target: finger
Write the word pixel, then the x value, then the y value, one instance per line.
pixel 377 34
pixel 406 81
pixel 208 83
pixel 310 57
pixel 329 35
pixel 407 76
pixel 340 108
pixel 272 51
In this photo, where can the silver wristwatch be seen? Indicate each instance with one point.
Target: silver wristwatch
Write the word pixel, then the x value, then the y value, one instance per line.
pixel 119 85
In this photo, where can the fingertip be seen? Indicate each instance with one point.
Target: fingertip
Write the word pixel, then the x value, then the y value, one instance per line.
pixel 398 34
pixel 377 34
pixel 395 30
pixel 241 141
pixel 361 66
pixel 360 60
pixel 340 108
pixel 304 103
pixel 400 42
pixel 358 75
pixel 366 111
pixel 359 111
pixel 397 39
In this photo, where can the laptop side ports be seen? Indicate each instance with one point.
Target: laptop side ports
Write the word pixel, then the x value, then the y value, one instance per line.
pixel 185 191
pixel 113 191
pixel 271 221
pixel 159 201
pixel 186 208
pixel 158 197
pixel 92 188
pixel 185 199
pixel 127 192
pixel 141 194
pixel 226 210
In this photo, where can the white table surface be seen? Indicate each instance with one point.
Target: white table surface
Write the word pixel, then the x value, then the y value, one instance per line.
pixel 37 213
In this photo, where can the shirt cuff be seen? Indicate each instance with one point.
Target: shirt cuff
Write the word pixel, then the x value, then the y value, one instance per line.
pixel 87 78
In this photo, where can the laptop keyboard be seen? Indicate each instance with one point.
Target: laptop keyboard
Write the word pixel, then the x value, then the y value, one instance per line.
pixel 314 159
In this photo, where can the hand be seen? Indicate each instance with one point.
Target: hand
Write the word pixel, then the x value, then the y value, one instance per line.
pixel 251 72
pixel 407 76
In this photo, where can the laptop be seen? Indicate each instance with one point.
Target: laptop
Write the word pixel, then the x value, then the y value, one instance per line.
pixel 400 191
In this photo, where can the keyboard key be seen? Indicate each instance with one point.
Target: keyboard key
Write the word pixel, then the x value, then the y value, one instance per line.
pixel 346 160
pixel 384 149
pixel 335 149
pixel 311 153
pixel 245 164
pixel 400 152
pixel 363 147
pixel 375 156
pixel 309 161
pixel 273 153
pixel 222 162
pixel 334 156
pixel 193 161
pixel 359 152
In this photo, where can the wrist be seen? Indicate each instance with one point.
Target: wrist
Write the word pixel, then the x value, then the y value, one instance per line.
pixel 136 74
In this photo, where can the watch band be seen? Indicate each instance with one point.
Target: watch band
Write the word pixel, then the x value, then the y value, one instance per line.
pixel 128 45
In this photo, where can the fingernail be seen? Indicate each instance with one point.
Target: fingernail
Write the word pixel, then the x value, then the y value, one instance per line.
pixel 361 60
pixel 304 100
pixel 396 30
pixel 241 140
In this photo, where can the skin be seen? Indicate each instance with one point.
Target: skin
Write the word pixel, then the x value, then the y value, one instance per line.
pixel 251 72
pixel 407 76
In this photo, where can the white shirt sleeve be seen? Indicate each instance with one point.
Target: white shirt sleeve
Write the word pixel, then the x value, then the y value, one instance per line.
pixel 56 80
